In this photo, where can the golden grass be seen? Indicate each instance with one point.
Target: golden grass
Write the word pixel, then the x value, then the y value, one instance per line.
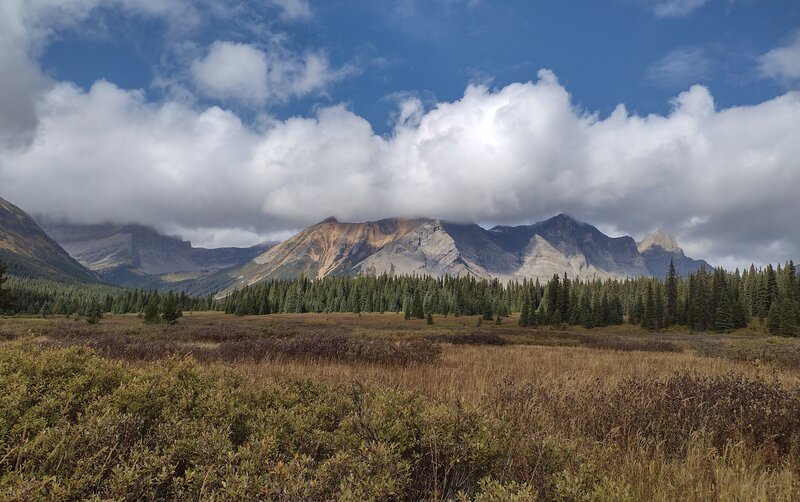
pixel 470 373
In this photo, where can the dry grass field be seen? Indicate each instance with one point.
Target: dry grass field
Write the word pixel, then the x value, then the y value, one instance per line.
pixel 494 412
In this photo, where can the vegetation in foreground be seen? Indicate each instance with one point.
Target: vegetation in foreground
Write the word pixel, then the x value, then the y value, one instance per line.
pixel 477 413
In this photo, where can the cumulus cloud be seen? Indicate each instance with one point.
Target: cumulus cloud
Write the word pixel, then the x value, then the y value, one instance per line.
pixel 783 63
pixel 723 180
pixel 245 73
pixel 26 26
pixel 232 70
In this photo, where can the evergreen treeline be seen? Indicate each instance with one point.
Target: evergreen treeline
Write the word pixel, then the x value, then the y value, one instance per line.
pixel 706 300
pixel 713 300
pixel 44 297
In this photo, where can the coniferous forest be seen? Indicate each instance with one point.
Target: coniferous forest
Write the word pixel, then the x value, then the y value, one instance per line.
pixel 708 300
pixel 50 298
pixel 713 300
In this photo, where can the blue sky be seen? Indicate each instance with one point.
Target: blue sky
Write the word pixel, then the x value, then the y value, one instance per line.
pixel 230 122
pixel 605 52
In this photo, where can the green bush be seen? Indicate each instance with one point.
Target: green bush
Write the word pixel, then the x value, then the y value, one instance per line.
pixel 76 426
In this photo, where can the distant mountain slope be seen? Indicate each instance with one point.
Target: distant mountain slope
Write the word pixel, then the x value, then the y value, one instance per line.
pixel 30 252
pixel 577 248
pixel 659 248
pixel 137 256
pixel 327 248
pixel 426 246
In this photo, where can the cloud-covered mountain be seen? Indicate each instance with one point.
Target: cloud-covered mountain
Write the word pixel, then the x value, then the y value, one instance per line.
pixel 138 256
pixel 232 105
pixel 29 252
pixel 659 248
pixel 428 246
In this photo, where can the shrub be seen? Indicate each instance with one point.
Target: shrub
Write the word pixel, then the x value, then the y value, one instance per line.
pixel 217 334
pixel 724 410
pixel 332 348
pixel 471 339
pixel 76 426
pixel 628 344
pixel 236 346
pixel 783 354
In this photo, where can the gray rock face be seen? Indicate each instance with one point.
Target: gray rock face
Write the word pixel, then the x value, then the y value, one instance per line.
pixel 659 248
pixel 327 248
pixel 431 247
pixel 137 256
pixel 574 247
pixel 425 250
pixel 661 239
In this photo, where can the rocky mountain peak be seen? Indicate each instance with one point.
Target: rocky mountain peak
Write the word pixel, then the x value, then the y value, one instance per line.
pixel 661 239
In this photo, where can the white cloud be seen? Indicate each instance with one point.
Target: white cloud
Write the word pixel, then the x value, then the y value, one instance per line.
pixel 293 10
pixel 783 63
pixel 681 68
pixel 724 180
pixel 677 8
pixel 26 26
pixel 232 70
pixel 245 73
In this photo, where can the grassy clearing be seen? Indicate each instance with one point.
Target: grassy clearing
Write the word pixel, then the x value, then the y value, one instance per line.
pixel 339 406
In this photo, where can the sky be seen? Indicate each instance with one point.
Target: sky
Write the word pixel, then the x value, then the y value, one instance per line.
pixel 232 122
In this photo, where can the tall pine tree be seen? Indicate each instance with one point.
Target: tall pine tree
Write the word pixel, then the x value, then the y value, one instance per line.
pixel 5 296
pixel 671 293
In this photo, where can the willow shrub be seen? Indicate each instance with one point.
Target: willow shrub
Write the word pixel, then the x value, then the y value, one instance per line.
pixel 75 426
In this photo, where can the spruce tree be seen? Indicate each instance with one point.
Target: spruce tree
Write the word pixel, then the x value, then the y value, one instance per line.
pixel 5 296
pixel 649 317
pixel 170 311
pixel 724 319
pixel 585 316
pixel 637 312
pixel 488 315
pixel 94 314
pixel 150 312
pixel 658 307
pixel 787 324
pixel 525 311
pixel 416 306
pixel 553 294
pixel 771 288
pixel 671 293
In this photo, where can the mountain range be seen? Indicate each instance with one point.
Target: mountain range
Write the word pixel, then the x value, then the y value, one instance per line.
pixel 421 246
pixel 137 256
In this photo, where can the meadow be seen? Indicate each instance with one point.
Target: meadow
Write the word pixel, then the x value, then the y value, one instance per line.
pixel 375 407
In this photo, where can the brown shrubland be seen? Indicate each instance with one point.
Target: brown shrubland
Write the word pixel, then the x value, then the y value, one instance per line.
pixel 401 410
